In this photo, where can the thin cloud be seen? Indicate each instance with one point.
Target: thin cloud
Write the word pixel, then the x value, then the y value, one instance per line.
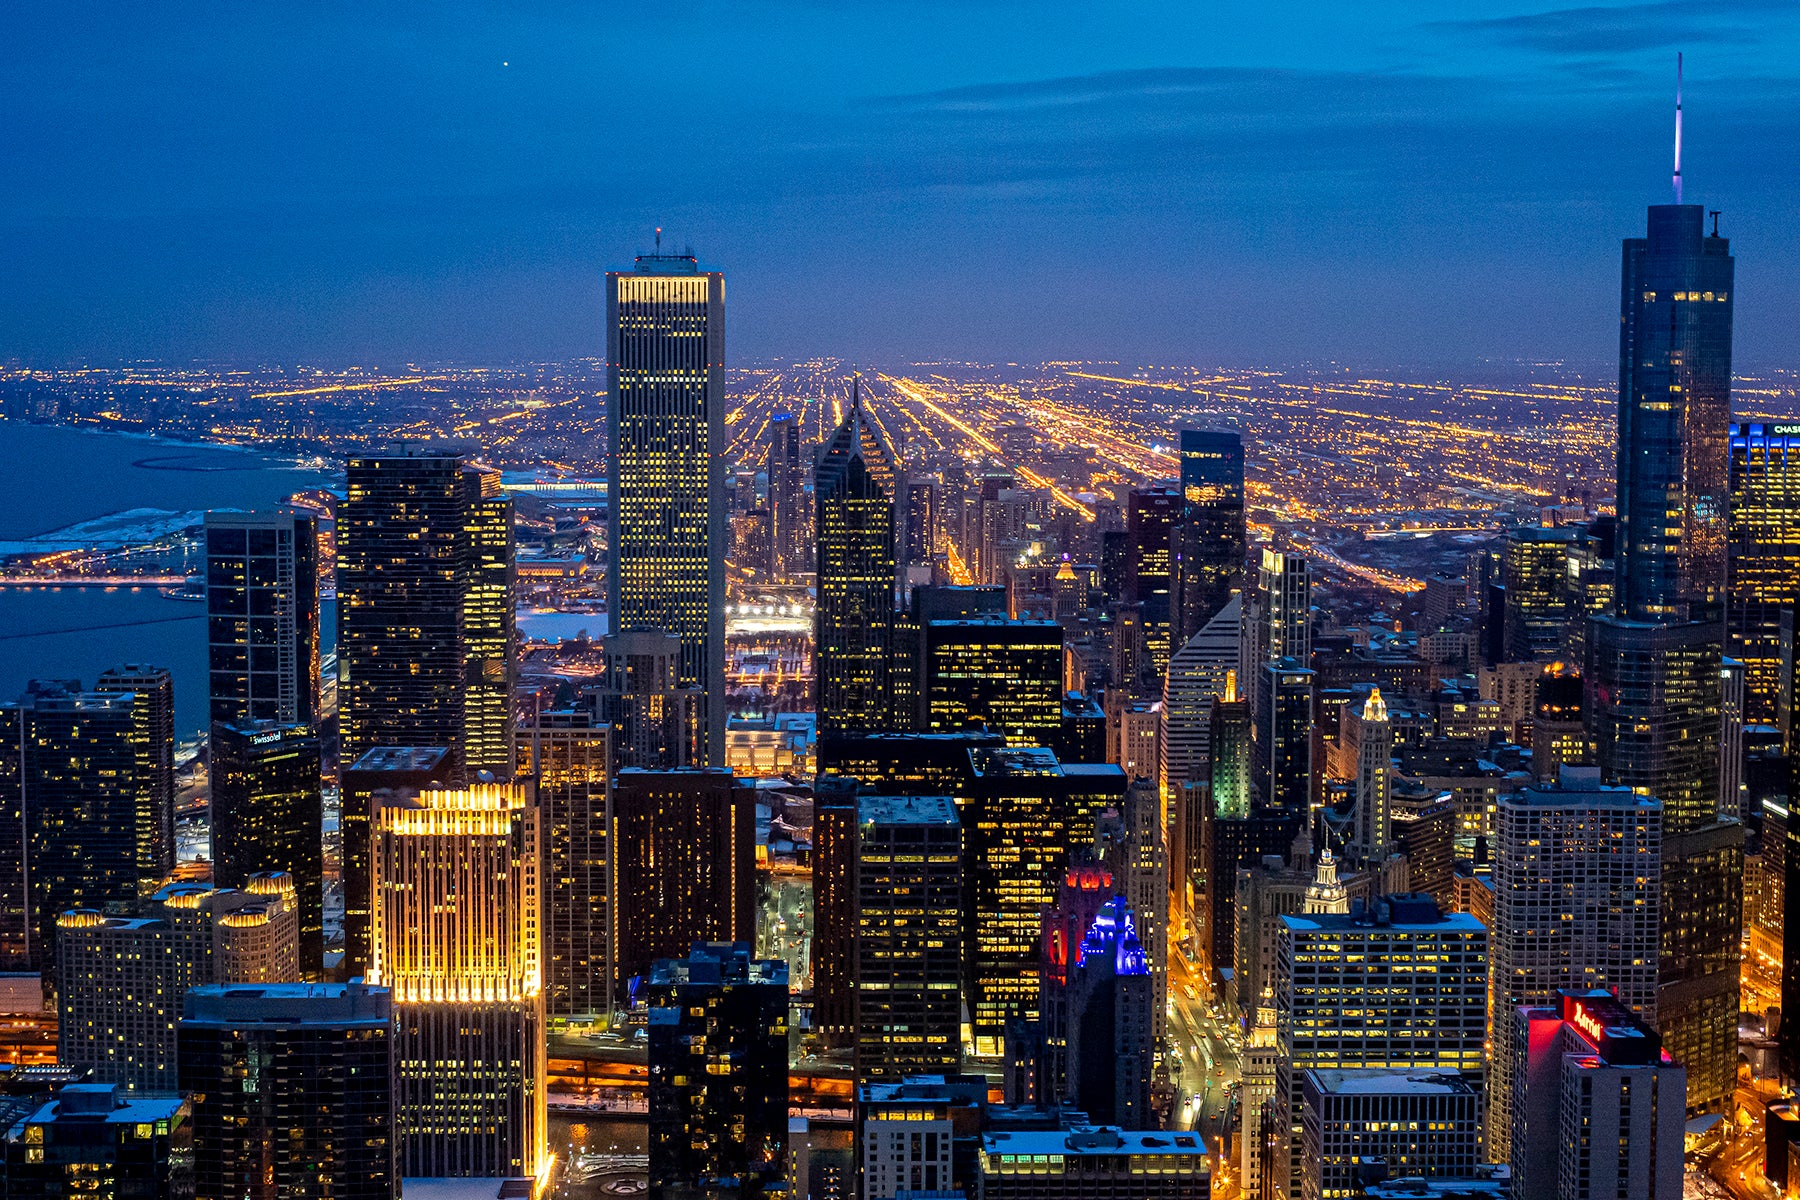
pixel 1629 28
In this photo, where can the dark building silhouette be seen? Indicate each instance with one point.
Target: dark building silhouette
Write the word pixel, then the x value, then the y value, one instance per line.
pixel 262 616
pixel 834 908
pixel 425 606
pixel 319 1119
pixel 1111 1015
pixel 854 486
pixel 718 1074
pixel 1209 540
pixel 684 846
pixel 569 756
pixel 790 517
pixel 268 815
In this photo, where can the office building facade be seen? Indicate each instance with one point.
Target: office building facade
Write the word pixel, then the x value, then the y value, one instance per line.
pixel 1366 1126
pixel 854 485
pixel 268 815
pixel 569 757
pixel 262 616
pixel 1003 674
pixel 153 710
pixel 665 418
pixel 456 936
pixel 397 770
pixel 319 1119
pixel 790 516
pixel 1209 540
pixel 1762 559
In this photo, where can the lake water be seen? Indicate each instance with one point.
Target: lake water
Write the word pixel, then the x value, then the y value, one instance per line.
pixel 59 477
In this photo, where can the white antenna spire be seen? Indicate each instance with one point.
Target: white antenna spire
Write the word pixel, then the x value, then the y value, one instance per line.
pixel 1678 127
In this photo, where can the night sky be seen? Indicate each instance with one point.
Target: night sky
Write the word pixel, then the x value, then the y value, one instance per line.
pixel 1252 182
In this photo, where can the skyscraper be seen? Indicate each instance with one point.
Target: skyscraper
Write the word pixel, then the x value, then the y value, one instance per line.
pixel 908 941
pixel 1577 904
pixel 1368 731
pixel 262 616
pixel 790 517
pixel 658 723
pixel 570 758
pixel 458 893
pixel 74 787
pixel 1762 555
pixel 393 769
pixel 1653 665
pixel 665 421
pixel 425 600
pixel 1401 1124
pixel 1539 603
pixel 1283 735
pixel 854 486
pixel 1278 616
pixel 154 716
pixel 268 815
pixel 1111 1025
pixel 718 1074
pixel 1150 518
pixel 122 979
pixel 1397 985
pixel 836 817
pixel 992 671
pixel 684 862
pixel 1209 544
pixel 319 1117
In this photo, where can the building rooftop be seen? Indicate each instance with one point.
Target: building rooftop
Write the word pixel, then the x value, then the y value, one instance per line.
pixel 906 810
pixel 963 1089
pixel 105 1102
pixel 1346 1082
pixel 334 1005
pixel 1096 1141
pixel 400 758
pixel 719 963
pixel 1404 910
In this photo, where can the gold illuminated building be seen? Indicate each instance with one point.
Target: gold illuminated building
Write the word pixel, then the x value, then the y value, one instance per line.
pixel 456 934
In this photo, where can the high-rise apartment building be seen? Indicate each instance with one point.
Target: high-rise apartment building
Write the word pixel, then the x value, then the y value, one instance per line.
pixel 76 791
pixel 854 486
pixel 426 649
pixel 790 516
pixel 1004 674
pixel 1599 1107
pixel 1277 616
pixel 456 936
pixel 121 979
pixel 684 859
pixel 1284 736
pixel 1535 568
pixel 1653 666
pixel 1396 985
pixel 718 1074
pixel 1762 559
pixel 154 738
pixel 1559 734
pixel 268 815
pixel 397 770
pixel 909 937
pixel 1577 873
pixel 262 616
pixel 292 1090
pixel 1209 540
pixel 665 423
pixel 570 758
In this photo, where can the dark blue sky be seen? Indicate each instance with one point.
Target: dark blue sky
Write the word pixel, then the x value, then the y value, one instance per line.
pixel 1242 182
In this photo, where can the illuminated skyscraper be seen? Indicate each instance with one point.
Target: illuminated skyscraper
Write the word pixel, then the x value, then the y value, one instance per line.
pixel 121 979
pixel 996 672
pixel 1208 541
pixel 458 897
pixel 718 1075
pixel 1653 665
pixel 657 723
pixel 1539 602
pixel 262 616
pixel 790 516
pixel 665 420
pixel 684 864
pixel 425 606
pixel 1397 985
pixel 1278 615
pixel 1762 555
pixel 1283 735
pixel 319 1118
pixel 1200 673
pixel 908 941
pixel 1577 903
pixel 154 715
pixel 75 783
pixel 570 758
pixel 1150 519
pixel 854 485
pixel 267 815
pixel 1366 728
pixel 1112 1030
pixel 919 538
pixel 395 769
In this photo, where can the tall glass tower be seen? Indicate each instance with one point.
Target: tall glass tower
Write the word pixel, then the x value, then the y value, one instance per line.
pixel 855 485
pixel 1653 665
pixel 665 418
pixel 1209 541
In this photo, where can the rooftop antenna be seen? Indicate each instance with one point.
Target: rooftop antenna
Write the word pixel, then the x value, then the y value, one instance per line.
pixel 1678 127
pixel 659 227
